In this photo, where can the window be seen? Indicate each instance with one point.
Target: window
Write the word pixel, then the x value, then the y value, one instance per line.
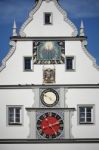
pixel 70 63
pixel 14 115
pixel 86 115
pixel 47 18
pixel 27 63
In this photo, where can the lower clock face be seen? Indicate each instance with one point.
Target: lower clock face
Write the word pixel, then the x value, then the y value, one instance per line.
pixel 50 125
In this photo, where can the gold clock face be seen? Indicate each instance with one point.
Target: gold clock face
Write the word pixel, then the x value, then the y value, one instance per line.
pixel 49 97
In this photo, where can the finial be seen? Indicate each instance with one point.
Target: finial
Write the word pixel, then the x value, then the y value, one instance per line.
pixel 82 29
pixel 14 29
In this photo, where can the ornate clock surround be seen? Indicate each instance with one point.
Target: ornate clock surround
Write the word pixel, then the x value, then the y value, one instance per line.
pixel 48 52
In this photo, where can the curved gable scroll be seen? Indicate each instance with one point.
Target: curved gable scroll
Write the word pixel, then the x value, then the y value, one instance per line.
pixel 66 19
pixel 83 45
pixel 10 53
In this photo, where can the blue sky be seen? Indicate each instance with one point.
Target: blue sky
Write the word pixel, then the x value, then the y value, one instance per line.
pixel 88 10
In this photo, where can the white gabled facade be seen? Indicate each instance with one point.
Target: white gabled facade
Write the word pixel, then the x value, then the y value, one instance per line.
pixel 49 59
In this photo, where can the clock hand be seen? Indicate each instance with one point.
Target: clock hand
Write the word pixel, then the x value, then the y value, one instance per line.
pixel 55 123
pixel 48 97
pixel 50 125
pixel 54 130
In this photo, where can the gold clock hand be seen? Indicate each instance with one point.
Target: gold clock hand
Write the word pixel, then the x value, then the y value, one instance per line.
pixel 54 130
pixel 44 127
pixel 55 123
pixel 48 97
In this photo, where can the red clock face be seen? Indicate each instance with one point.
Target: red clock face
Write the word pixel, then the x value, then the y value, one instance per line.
pixel 50 125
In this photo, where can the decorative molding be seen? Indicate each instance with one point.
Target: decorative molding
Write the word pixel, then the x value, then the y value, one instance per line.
pixel 66 19
pixel 10 53
pixel 71 113
pixel 21 32
pixel 49 141
pixel 83 45
pixel 65 97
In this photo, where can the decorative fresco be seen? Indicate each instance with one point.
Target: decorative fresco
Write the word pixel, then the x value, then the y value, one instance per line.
pixel 49 75
pixel 48 52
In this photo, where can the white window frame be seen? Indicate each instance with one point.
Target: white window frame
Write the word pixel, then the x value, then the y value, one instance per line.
pixel 51 18
pixel 73 63
pixel 21 115
pixel 85 117
pixel 24 63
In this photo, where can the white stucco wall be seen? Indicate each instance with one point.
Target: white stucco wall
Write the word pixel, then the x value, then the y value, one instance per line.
pixel 84 73
pixel 26 98
pixel 76 97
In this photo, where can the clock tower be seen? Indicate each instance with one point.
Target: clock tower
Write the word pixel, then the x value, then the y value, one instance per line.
pixel 49 83
pixel 49 117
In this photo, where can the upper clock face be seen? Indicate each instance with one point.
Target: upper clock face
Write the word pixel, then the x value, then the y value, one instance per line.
pixel 50 125
pixel 49 97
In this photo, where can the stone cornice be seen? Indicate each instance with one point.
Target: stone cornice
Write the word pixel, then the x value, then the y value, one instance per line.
pixel 10 53
pixel 66 19
pixel 77 38
pixel 44 109
pixel 49 141
pixel 67 86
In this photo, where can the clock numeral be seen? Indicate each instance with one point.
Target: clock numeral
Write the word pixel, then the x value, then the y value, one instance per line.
pixel 58 133
pixel 61 122
pixel 58 117
pixel 38 127
pixel 46 114
pixel 50 114
pixel 47 136
pixel 61 128
pixel 38 122
pixel 40 131
pixel 41 117
pixel 53 114
pixel 53 136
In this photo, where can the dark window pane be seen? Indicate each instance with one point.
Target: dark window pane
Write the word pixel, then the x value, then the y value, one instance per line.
pixel 88 109
pixel 11 119
pixel 18 120
pixel 47 18
pixel 69 63
pixel 82 115
pixel 11 110
pixel 89 115
pixel 82 109
pixel 88 119
pixel 17 115
pixel 11 115
pixel 82 120
pixel 17 110
pixel 27 63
